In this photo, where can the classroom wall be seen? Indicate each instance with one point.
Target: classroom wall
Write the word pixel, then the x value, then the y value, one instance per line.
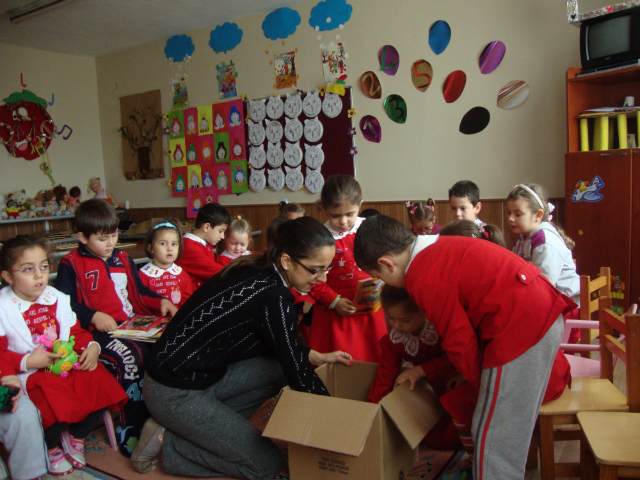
pixel 419 159
pixel 72 81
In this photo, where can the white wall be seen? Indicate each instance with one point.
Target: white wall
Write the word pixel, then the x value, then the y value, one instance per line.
pixel 72 80
pixel 419 159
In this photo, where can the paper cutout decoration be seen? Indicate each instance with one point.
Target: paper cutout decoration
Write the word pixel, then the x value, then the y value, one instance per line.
pixel 223 178
pixel 370 85
pixel 421 74
pixel 225 37
pixel 194 202
pixel 280 23
pixel 314 181
pixel 273 130
pixel 294 179
pixel 491 57
pixel 208 174
pixel 313 130
pixel 439 36
pixel 396 108
pixel 179 94
pixel 454 86
pixel 275 107
pixel 205 120
pixel 293 154
pixel 292 129
pixel 176 125
pixel 235 117
pixel 178 156
pixel 312 105
pixel 293 105
pixel 191 121
pixel 192 150
pixel 332 105
pixel 237 146
pixel 329 15
pixel 194 176
pixel 226 80
pixel 239 179
pixel 179 182
pixel 221 141
pixel 513 94
pixel 313 156
pixel 219 118
pixel 257 157
pixel 257 109
pixel 334 63
pixel 207 145
pixel 371 129
pixel 256 133
pixel 276 179
pixel 285 70
pixel 586 191
pixel 210 194
pixel 474 121
pixel 275 155
pixel 389 59
pixel 257 180
pixel 178 48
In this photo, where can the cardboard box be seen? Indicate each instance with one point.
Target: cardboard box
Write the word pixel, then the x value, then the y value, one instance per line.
pixel 343 436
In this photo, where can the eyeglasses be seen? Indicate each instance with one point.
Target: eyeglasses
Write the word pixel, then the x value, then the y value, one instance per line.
pixel 32 270
pixel 421 231
pixel 314 271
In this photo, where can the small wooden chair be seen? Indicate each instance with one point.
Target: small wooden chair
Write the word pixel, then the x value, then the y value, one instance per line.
pixel 610 441
pixel 588 287
pixel 585 394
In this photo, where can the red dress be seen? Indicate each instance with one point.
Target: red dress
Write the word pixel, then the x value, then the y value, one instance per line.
pixel 173 283
pixel 68 399
pixel 357 334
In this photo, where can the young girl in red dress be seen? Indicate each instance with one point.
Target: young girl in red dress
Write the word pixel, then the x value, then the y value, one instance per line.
pixel 335 326
pixel 164 244
pixel 237 241
pixel 422 216
pixel 33 318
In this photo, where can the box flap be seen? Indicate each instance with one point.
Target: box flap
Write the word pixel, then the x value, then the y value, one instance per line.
pixel 326 376
pixel 414 412
pixel 327 423
pixel 353 382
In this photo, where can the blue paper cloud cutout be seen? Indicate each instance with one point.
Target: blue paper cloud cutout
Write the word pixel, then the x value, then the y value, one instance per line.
pixel 280 23
pixel 338 11
pixel 225 37
pixel 178 47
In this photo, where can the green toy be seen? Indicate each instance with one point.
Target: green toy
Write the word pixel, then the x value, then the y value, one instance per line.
pixel 69 360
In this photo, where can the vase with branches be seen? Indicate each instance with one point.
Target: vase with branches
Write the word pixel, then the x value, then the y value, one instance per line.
pixel 141 133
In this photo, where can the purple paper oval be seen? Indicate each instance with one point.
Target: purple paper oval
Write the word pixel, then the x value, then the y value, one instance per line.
pixel 389 59
pixel 371 129
pixel 491 57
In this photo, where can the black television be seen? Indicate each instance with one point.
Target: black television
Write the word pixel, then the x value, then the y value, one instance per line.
pixel 610 40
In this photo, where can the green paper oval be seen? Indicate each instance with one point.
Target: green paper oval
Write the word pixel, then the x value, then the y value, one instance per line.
pixel 396 108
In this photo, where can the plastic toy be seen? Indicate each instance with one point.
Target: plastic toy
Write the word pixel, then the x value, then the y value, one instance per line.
pixel 6 394
pixel 69 359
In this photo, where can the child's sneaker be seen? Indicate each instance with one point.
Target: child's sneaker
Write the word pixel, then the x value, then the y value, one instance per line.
pixel 73 450
pixel 58 464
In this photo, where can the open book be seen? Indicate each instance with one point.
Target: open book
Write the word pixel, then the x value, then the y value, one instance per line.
pixel 367 298
pixel 144 328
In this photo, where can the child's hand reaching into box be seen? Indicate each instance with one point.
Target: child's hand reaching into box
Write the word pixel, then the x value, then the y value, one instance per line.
pixel 411 375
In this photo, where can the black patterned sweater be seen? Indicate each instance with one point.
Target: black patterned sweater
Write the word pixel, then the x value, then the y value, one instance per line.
pixel 247 313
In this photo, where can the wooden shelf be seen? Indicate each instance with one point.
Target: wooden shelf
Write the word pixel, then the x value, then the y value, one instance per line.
pixel 614 77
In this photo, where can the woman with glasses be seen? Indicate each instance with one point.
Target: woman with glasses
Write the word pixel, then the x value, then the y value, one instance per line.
pixel 232 346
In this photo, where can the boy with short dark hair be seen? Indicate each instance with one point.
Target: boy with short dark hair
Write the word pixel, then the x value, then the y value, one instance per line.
pixel 500 321
pixel 106 290
pixel 198 258
pixel 464 200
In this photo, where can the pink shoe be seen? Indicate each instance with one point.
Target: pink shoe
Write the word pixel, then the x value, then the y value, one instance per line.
pixel 58 464
pixel 74 450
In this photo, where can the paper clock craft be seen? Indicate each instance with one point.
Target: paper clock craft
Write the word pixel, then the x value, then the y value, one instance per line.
pixel 292 129
pixel 294 179
pixel 293 105
pixel 293 154
pixel 313 156
pixel 257 180
pixel 332 105
pixel 276 179
pixel 313 130
pixel 258 157
pixel 275 156
pixel 275 107
pixel 312 105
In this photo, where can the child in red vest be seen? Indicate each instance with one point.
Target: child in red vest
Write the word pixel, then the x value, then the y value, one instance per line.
pixel 105 291
pixel 237 241
pixel 198 258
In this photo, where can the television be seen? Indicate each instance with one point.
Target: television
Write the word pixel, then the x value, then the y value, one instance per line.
pixel 610 40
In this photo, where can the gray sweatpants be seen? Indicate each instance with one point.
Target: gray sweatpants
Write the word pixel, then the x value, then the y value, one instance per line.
pixel 21 434
pixel 508 405
pixel 208 433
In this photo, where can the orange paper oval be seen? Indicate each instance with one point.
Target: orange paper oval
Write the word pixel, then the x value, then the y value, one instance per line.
pixel 370 85
pixel 421 74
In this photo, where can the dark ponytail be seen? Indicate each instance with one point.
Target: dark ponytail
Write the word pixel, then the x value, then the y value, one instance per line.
pixel 299 238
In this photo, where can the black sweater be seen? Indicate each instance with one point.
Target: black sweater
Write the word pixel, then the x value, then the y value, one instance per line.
pixel 247 313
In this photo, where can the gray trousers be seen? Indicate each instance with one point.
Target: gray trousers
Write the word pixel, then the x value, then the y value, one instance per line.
pixel 507 408
pixel 208 433
pixel 21 434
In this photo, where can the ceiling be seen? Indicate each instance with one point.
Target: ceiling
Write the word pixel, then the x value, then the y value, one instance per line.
pixel 97 27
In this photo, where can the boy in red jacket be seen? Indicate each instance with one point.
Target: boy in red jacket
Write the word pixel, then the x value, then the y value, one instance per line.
pixel 105 291
pixel 499 319
pixel 198 258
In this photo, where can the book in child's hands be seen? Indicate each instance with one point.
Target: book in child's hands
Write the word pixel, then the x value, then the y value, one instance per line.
pixel 141 323
pixel 367 298
pixel 144 328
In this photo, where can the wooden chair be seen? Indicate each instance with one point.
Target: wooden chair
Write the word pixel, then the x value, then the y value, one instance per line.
pixel 585 394
pixel 610 441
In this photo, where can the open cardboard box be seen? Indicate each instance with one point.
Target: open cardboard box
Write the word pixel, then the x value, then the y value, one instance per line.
pixel 343 436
